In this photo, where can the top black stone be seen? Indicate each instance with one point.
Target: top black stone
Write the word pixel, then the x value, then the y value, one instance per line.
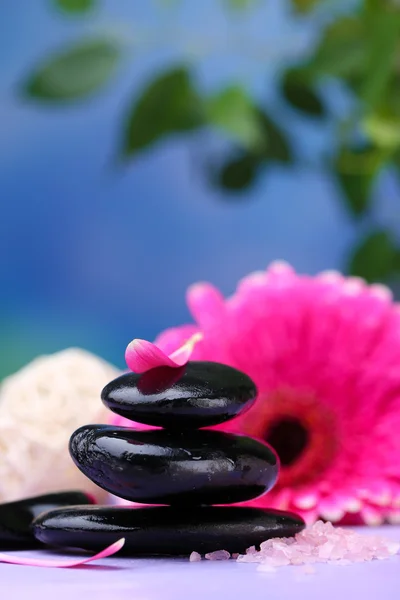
pixel 199 394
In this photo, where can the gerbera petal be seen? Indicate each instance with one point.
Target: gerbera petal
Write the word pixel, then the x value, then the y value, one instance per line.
pixel 330 276
pixel 371 516
pixel 309 516
pixel 142 355
pixel 394 517
pixel 333 514
pixel 278 499
pixel 280 271
pixel 381 291
pixel 305 501
pixel 382 499
pixel 252 283
pixel 353 505
pixel 280 267
pixel 59 563
pixel 206 303
pixel 334 506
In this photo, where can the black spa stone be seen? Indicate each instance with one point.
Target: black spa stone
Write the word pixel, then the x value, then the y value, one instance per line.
pixel 166 467
pixel 16 517
pixel 164 530
pixel 197 395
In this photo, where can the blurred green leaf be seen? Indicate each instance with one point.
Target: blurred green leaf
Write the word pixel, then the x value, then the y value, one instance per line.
pixel 75 72
pixel 396 262
pixel 275 145
pixel 169 104
pixel 383 32
pixel 341 51
pixel 75 6
pixel 372 7
pixel 299 93
pixel 382 125
pixel 233 111
pixel 383 130
pixel 392 99
pixel 356 189
pixel 304 6
pixel 239 4
pixel 356 170
pixel 374 258
pixel 238 173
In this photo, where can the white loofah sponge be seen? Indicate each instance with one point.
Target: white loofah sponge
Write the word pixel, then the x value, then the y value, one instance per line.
pixel 40 406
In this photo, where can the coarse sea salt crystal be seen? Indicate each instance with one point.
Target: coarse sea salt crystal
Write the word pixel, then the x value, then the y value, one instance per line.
pixel 218 555
pixel 195 557
pixel 320 543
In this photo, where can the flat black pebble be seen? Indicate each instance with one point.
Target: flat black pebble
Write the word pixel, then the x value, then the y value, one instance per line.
pixel 16 517
pixel 200 394
pixel 164 530
pixel 165 467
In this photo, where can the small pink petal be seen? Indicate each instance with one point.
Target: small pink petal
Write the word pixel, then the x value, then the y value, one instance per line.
pixel 181 356
pixel 39 562
pixel 174 337
pixel 142 355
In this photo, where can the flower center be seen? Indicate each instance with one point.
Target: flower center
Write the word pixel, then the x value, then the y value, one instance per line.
pixel 301 429
pixel 289 438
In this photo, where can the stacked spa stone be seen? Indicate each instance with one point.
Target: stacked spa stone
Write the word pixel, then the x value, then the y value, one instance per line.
pixel 16 517
pixel 182 467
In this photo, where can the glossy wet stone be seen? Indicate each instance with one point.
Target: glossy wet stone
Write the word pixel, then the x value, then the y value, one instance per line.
pixel 200 394
pixel 165 530
pixel 165 467
pixel 16 517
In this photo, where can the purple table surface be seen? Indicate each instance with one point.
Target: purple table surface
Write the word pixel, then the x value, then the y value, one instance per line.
pixel 177 579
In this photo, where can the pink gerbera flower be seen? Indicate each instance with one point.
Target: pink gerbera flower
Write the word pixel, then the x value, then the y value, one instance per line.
pixel 325 354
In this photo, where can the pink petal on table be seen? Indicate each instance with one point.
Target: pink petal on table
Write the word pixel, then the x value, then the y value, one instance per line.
pixel 44 562
pixel 142 355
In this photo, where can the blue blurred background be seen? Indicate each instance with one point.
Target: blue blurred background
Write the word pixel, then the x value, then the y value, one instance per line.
pixel 94 254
